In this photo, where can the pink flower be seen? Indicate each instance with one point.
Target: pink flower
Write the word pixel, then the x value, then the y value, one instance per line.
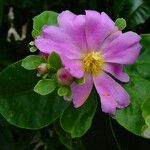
pixel 91 46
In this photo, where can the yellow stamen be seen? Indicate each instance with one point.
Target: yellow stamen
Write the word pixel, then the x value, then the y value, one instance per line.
pixel 93 62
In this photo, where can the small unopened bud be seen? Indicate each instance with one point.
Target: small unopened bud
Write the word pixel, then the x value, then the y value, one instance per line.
pixel 42 69
pixel 64 77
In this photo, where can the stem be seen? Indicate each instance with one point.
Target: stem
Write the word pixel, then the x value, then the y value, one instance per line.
pixel 113 133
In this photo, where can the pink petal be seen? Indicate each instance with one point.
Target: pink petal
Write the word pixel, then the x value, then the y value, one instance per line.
pixel 111 93
pixel 74 26
pixel 98 27
pixel 124 49
pixel 46 46
pixel 80 93
pixel 117 71
pixel 74 66
pixel 58 36
pixel 109 39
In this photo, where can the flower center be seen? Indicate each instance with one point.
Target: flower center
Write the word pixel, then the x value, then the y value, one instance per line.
pixel 93 62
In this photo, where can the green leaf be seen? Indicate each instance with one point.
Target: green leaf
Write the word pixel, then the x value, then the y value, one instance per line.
pixel 131 117
pixel 124 8
pixel 55 61
pixel 77 121
pixel 35 33
pixel 32 62
pixel 134 12
pixel 140 15
pixel 45 18
pixel 64 137
pixel 45 86
pixel 32 43
pixel 64 91
pixel 80 81
pixel 33 49
pixel 146 111
pixel 120 23
pixel 143 63
pixel 20 105
pixel 145 41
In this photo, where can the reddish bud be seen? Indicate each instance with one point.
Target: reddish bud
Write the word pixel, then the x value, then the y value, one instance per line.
pixel 64 77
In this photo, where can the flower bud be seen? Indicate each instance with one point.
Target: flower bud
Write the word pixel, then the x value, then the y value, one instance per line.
pixel 42 69
pixel 64 77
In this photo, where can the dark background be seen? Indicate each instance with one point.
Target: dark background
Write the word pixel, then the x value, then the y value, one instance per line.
pixel 105 133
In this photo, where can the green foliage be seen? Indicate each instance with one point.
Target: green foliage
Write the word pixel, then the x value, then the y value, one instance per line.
pixel 55 61
pixel 135 116
pixel 45 18
pixel 24 108
pixel 80 81
pixel 135 12
pixel 146 110
pixel 65 138
pixel 20 105
pixel 64 91
pixel 131 117
pixel 31 62
pixel 33 49
pixel 77 121
pixel 145 41
pixel 45 86
pixel 140 15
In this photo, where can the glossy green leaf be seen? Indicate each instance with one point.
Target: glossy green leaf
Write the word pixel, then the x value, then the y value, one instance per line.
pixel 131 117
pixel 140 15
pixel 45 18
pixel 120 23
pixel 145 41
pixel 33 49
pixel 45 86
pixel 77 121
pixel 146 111
pixel 143 63
pixel 135 12
pixel 35 33
pixel 66 140
pixel 64 137
pixel 64 91
pixel 80 81
pixel 32 62
pixel 123 8
pixel 55 61
pixel 20 105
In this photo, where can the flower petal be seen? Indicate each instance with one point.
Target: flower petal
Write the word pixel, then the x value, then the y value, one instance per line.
pixel 124 49
pixel 74 66
pixel 98 27
pixel 109 39
pixel 117 71
pixel 111 93
pixel 74 26
pixel 46 46
pixel 80 93
pixel 58 36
